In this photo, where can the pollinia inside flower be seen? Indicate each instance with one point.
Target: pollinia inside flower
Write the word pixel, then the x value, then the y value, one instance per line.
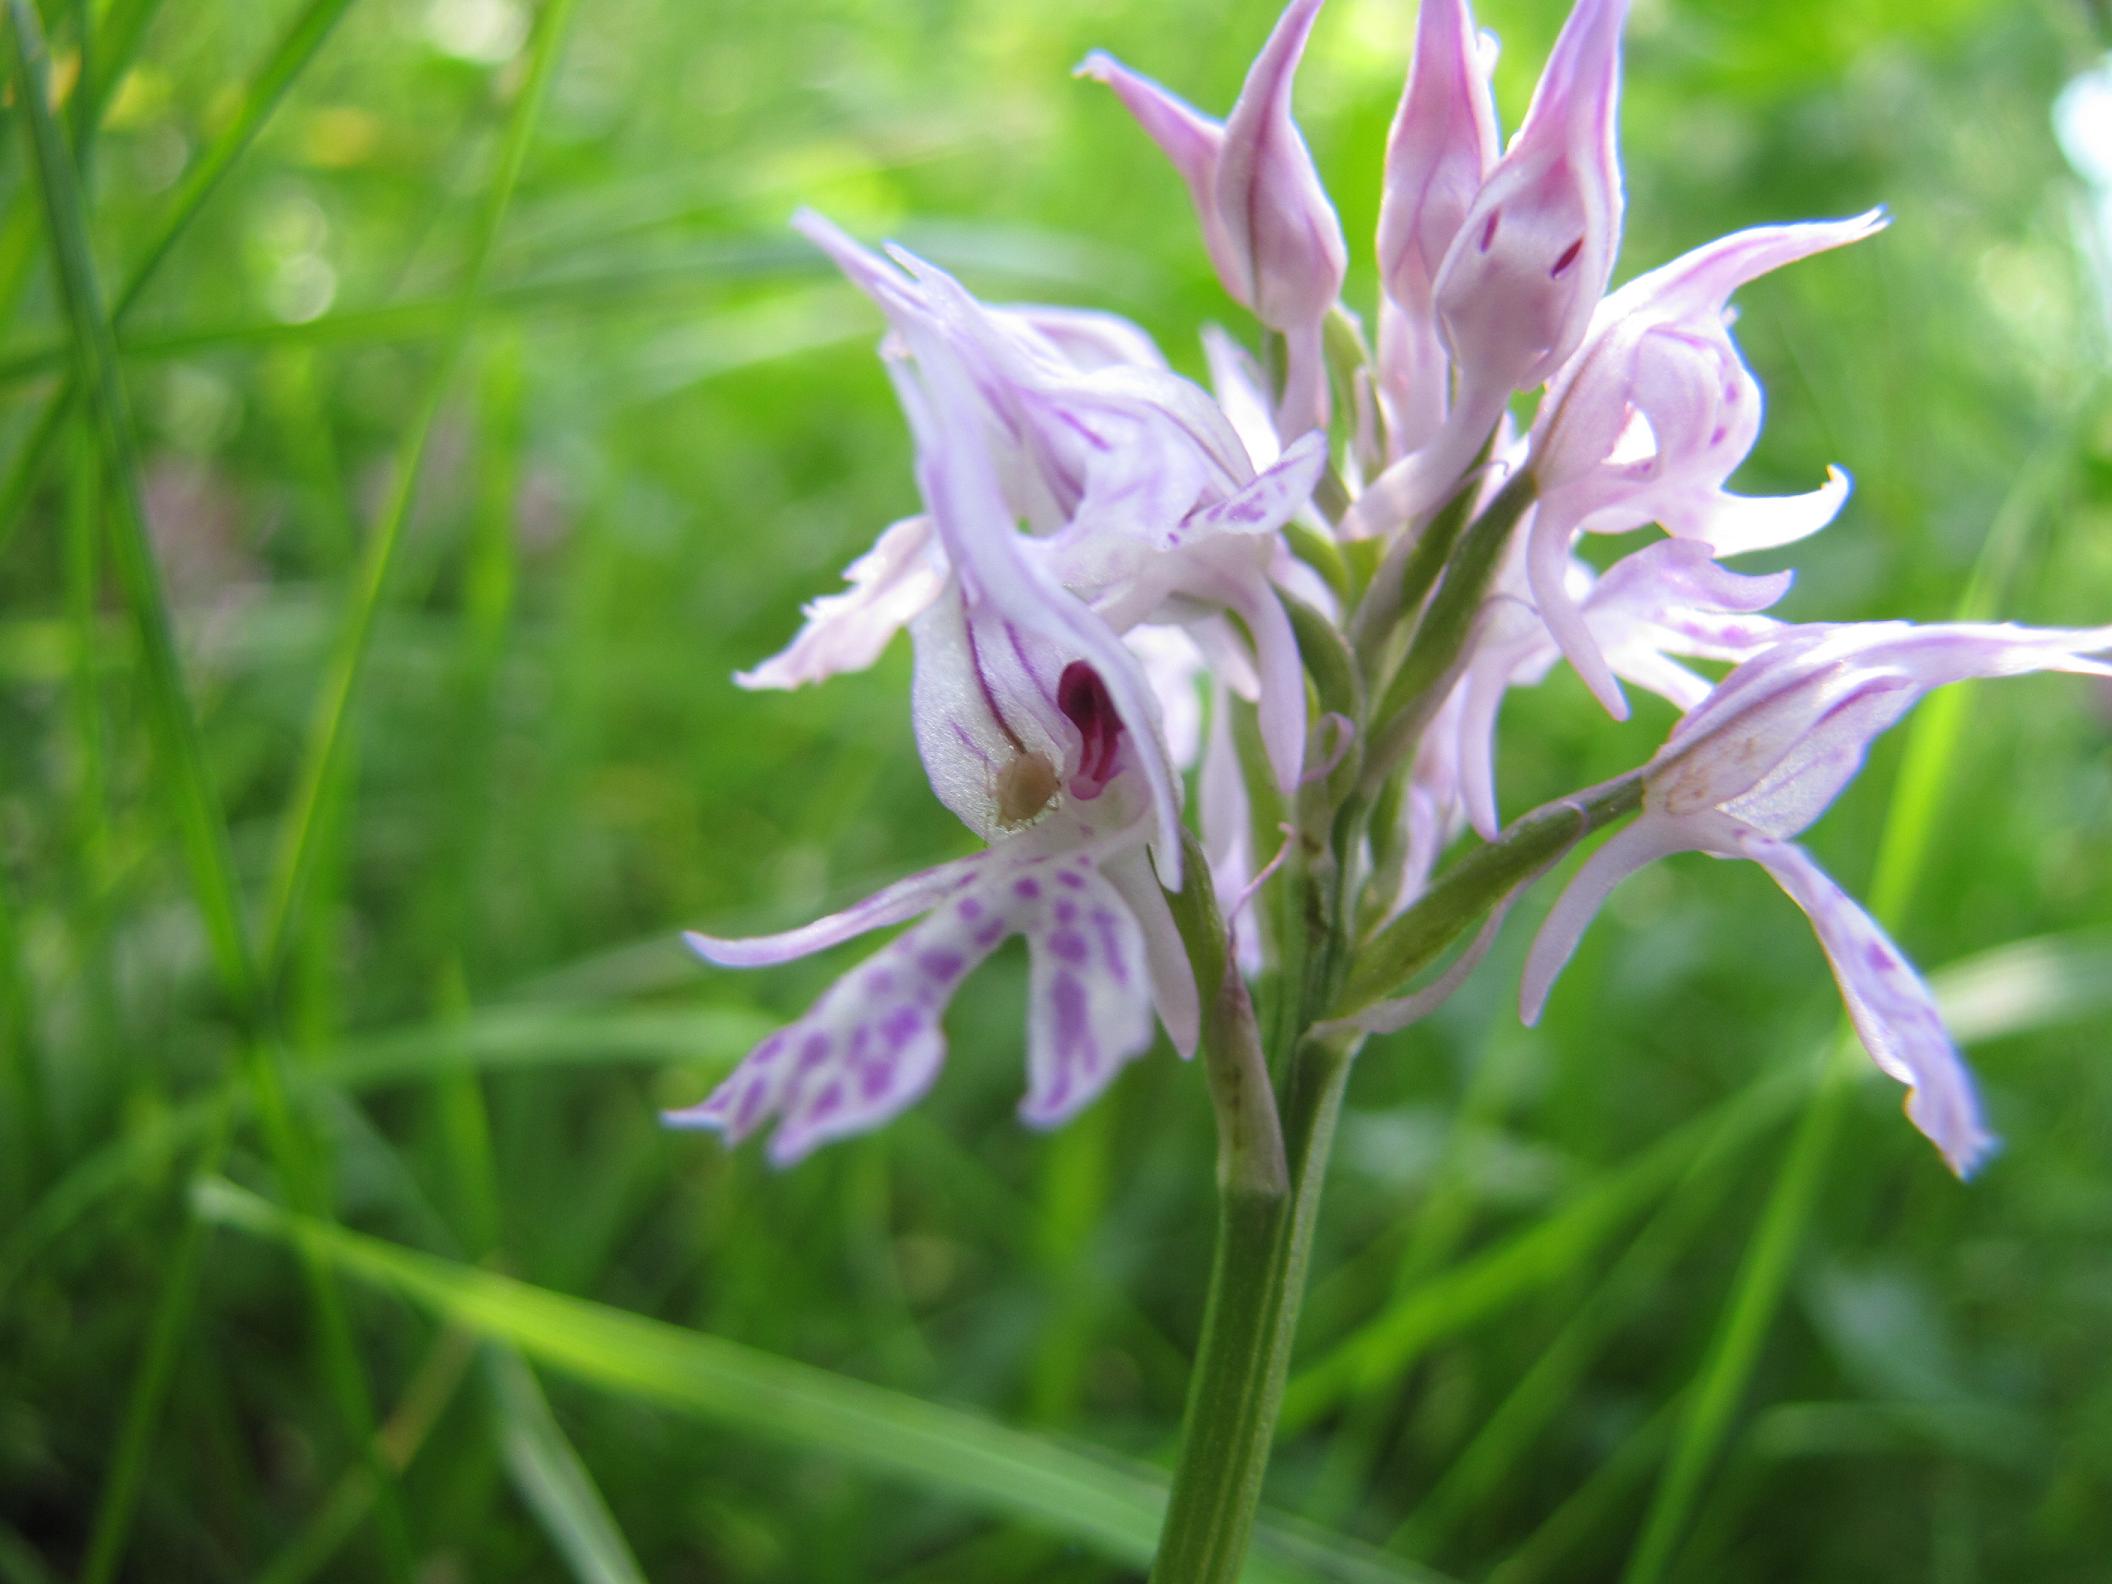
pixel 1352 557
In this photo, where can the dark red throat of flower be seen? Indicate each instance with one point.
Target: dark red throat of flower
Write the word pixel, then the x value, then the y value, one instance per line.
pixel 1085 703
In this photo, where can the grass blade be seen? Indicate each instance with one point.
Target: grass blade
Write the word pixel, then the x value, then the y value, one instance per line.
pixel 188 785
pixel 553 1481
pixel 296 47
pixel 326 737
pixel 1527 1261
pixel 1113 1508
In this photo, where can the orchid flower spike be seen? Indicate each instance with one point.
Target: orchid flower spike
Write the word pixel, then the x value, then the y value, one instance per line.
pixel 1653 415
pixel 1443 144
pixel 1266 219
pixel 1758 761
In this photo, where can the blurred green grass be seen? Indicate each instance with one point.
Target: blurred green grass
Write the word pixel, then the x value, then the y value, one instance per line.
pixel 665 429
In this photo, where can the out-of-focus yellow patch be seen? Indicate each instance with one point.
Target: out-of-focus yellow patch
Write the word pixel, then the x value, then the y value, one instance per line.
pixel 142 96
pixel 338 137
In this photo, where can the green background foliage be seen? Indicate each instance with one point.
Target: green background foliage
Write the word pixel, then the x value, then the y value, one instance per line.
pixel 479 759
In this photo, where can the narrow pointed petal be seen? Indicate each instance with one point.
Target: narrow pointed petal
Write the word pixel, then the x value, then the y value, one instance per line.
pixel 905 899
pixel 1893 1012
pixel 1547 571
pixel 1698 284
pixel 865 269
pixel 1191 140
pixel 889 585
pixel 1740 524
pixel 1650 838
pixel 1270 195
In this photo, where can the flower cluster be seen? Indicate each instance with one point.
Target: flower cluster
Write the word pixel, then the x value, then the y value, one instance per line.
pixel 1353 556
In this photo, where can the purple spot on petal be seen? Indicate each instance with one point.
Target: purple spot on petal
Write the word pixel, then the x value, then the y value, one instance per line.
pixel 1027 888
pixel 1562 264
pixel 991 933
pixel 1072 878
pixel 1070 946
pixel 1717 438
pixel 969 909
pixel 751 1105
pixel 767 1052
pixel 1066 912
pixel 901 1027
pixel 1488 232
pixel 826 1104
pixel 941 965
pixel 872 1081
pixel 1878 958
pixel 880 982
pixel 814 1052
pixel 1111 945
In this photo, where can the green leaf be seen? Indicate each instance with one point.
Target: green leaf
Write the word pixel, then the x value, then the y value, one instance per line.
pixel 1100 1501
pixel 553 1481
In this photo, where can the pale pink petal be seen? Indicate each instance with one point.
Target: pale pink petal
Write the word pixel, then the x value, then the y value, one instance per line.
pixel 1277 494
pixel 1089 1007
pixel 1237 384
pixel 890 584
pixel 1281 671
pixel 1086 339
pixel 1441 147
pixel 1892 1010
pixel 1532 256
pixel 1547 572
pixel 1173 990
pixel 1270 194
pixel 1188 138
pixel 905 899
pixel 1651 837
pixel 1698 284
pixel 1739 524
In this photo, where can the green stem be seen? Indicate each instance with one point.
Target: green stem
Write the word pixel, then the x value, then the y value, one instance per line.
pixel 1257 1281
